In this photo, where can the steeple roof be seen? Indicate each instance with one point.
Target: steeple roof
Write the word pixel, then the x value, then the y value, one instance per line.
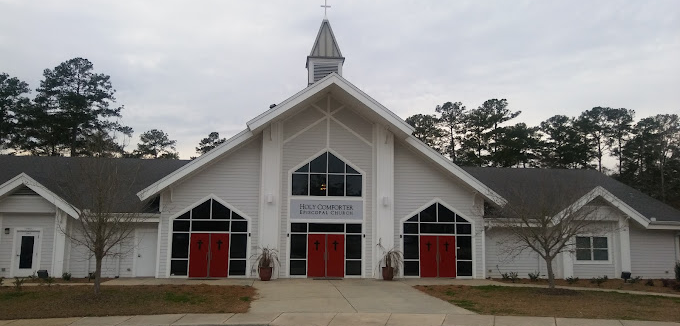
pixel 325 45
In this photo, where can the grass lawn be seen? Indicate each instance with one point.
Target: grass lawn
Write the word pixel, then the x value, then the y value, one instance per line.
pixel 525 301
pixel 655 285
pixel 78 301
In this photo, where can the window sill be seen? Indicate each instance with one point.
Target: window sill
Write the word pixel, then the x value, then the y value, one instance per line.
pixel 593 262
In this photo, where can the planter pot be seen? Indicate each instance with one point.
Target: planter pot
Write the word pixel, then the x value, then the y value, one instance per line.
pixel 388 273
pixel 266 273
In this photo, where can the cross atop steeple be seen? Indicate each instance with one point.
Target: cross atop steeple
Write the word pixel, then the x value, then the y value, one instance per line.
pixel 325 7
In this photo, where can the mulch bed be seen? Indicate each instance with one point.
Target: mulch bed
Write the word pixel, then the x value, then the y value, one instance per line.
pixel 614 284
pixel 529 301
pixel 79 301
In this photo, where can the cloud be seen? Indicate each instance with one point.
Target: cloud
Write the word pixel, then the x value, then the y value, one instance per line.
pixel 190 68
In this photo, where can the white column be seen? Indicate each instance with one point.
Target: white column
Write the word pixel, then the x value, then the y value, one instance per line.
pixel 270 187
pixel 567 264
pixel 59 250
pixel 624 244
pixel 384 201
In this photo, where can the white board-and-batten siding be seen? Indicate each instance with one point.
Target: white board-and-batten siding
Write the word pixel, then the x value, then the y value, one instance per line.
pixel 501 258
pixel 307 134
pixel 235 179
pixel 653 253
pixel 417 182
pixel 119 263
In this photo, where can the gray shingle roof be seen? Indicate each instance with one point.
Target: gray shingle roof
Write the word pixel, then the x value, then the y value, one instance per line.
pixel 53 172
pixel 564 183
pixel 515 185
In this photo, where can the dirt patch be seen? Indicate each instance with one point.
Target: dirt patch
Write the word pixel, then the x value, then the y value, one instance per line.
pixel 526 301
pixel 78 301
pixel 59 280
pixel 644 285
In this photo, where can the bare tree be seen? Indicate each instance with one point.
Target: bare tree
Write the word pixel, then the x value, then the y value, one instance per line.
pixel 545 216
pixel 102 193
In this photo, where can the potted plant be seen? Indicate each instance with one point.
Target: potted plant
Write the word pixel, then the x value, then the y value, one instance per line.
pixel 391 262
pixel 265 259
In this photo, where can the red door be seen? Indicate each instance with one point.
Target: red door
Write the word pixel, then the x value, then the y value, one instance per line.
pixel 447 256
pixel 198 254
pixel 219 255
pixel 428 256
pixel 335 246
pixel 316 255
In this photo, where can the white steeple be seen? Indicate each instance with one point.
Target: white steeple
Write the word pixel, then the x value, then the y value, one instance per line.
pixel 325 57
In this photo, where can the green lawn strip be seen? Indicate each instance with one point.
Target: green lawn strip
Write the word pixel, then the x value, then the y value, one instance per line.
pixel 529 301
pixel 78 301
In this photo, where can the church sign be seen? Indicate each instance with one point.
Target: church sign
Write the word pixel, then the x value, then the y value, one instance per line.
pixel 310 209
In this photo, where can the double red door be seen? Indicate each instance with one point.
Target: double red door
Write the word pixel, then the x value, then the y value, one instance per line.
pixel 437 256
pixel 209 255
pixel 325 255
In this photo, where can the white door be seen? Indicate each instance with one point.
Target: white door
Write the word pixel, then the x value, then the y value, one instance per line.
pixel 27 252
pixel 145 264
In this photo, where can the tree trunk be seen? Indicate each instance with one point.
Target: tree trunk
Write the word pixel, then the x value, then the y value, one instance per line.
pixel 73 142
pixel 453 146
pixel 551 273
pixel 599 155
pixel 663 180
pixel 620 155
pixel 98 274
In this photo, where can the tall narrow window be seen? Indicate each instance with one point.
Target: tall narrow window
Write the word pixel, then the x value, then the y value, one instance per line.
pixel 326 175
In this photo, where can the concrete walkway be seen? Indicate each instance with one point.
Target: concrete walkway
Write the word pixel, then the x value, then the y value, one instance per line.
pixel 346 296
pixel 327 319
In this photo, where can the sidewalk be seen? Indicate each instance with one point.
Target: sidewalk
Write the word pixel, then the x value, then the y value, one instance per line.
pixel 328 319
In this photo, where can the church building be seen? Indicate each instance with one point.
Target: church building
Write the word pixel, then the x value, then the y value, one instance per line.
pixel 328 178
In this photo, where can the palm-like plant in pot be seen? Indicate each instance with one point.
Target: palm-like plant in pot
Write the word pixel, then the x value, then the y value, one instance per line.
pixel 391 262
pixel 264 261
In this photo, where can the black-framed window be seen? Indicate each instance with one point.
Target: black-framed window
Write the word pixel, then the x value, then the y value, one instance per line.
pixel 592 249
pixel 327 175
pixel 209 216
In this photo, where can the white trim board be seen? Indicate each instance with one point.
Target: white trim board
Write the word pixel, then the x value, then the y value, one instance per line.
pixel 257 124
pixel 24 179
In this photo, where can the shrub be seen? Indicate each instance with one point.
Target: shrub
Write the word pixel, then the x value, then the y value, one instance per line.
pixel 635 279
pixel 677 271
pixel 2 279
pixel 18 283
pixel 676 286
pixel 48 280
pixel 66 276
pixel 650 282
pixel 599 280
pixel 667 283
pixel 510 276
pixel 572 280
pixel 534 276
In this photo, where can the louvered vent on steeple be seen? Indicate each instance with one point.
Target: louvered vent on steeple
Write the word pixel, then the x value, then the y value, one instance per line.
pixel 322 70
pixel 325 57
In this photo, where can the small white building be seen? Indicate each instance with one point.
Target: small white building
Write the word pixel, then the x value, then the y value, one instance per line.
pixel 323 177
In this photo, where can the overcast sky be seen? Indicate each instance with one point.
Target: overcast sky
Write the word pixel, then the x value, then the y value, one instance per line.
pixel 192 67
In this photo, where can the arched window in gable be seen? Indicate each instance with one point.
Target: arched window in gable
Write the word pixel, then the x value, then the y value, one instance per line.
pixel 327 175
